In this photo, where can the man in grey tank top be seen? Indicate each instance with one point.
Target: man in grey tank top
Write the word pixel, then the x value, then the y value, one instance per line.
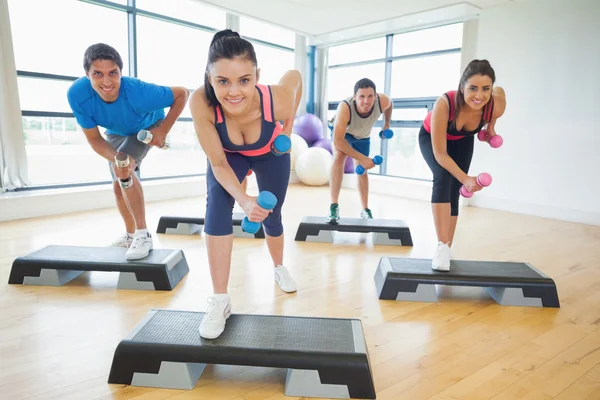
pixel 352 126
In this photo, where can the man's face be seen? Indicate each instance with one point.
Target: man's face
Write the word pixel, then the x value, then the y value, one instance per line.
pixel 364 99
pixel 105 77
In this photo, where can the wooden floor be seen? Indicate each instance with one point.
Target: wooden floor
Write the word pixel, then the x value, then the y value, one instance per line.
pixel 58 342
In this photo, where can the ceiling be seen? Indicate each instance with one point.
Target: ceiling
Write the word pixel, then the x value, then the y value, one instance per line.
pixel 336 21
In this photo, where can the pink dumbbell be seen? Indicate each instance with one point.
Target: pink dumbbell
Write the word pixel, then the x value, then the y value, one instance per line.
pixel 484 179
pixel 494 141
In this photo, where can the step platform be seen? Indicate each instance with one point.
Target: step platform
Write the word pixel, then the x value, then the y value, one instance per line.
pixel 508 283
pixel 324 357
pixel 386 232
pixel 191 226
pixel 56 265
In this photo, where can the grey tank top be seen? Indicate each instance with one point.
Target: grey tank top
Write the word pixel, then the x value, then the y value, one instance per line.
pixel 360 126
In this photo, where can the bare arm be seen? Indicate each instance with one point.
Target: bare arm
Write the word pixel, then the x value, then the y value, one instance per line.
pixel 439 128
pixel 180 95
pixel 499 107
pixel 203 117
pixel 287 95
pixel 99 144
pixel 339 132
pixel 387 107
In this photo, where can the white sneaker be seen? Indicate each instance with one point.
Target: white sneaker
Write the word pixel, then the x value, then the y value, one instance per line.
pixel 284 279
pixel 124 240
pixel 213 322
pixel 140 247
pixel 441 258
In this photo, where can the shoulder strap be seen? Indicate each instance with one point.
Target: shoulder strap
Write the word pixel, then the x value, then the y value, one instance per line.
pixel 267 102
pixel 488 110
pixel 349 109
pixel 451 97
pixel 218 115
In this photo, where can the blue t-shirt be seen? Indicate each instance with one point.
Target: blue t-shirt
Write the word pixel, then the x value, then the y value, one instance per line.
pixel 139 105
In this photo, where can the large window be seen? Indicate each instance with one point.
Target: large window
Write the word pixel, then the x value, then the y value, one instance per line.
pixel 419 66
pixel 340 81
pixel 42 29
pixel 165 56
pixel 170 42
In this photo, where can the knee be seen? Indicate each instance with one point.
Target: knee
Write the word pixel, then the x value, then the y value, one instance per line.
pixel 219 204
pixel 442 186
pixel 339 158
pixel 117 189
pixel 273 224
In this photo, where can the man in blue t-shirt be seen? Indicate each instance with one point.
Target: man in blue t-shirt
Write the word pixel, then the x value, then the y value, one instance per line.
pixel 124 106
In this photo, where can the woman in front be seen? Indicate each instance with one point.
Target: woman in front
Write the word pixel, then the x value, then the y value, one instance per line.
pixel 446 140
pixel 236 120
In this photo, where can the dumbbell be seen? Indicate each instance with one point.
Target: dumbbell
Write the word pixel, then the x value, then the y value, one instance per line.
pixel 281 145
pixel 377 160
pixel 122 161
pixel 386 134
pixel 494 141
pixel 145 136
pixel 266 200
pixel 484 179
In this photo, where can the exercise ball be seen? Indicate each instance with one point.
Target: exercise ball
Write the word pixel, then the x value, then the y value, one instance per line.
pixel 313 166
pixel 349 166
pixel 310 127
pixel 299 146
pixel 324 143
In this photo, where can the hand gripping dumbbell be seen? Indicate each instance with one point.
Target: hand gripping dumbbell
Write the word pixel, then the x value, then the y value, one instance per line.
pixel 266 200
pixel 386 134
pixel 281 145
pixel 377 160
pixel 122 161
pixel 494 141
pixel 145 136
pixel 484 179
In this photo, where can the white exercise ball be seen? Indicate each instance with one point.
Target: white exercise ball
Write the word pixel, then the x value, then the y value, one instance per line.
pixel 299 146
pixel 313 166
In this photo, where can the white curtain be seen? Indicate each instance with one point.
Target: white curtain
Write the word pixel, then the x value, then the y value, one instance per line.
pixel 321 67
pixel 300 63
pixel 13 158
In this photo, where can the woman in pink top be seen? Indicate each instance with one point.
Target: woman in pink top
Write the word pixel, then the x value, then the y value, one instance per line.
pixel 446 140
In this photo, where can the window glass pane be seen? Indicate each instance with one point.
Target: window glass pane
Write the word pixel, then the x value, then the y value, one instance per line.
pixel 442 72
pixel 185 156
pixel 187 10
pixel 53 146
pixel 267 32
pixel 273 63
pixel 58 22
pixel 43 94
pixel 165 56
pixel 404 156
pixel 340 81
pixel 441 38
pixel 360 51
pixel 409 114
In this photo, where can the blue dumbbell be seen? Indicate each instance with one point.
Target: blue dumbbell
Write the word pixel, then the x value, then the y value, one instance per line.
pixel 266 200
pixel 377 160
pixel 281 145
pixel 386 134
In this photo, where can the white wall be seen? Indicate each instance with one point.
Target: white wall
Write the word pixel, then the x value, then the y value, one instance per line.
pixel 546 54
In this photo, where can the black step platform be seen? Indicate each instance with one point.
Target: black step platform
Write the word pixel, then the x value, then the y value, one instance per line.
pixel 509 283
pixel 324 357
pixel 57 265
pixel 191 225
pixel 387 232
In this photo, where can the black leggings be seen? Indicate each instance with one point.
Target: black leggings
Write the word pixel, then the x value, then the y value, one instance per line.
pixel 445 186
